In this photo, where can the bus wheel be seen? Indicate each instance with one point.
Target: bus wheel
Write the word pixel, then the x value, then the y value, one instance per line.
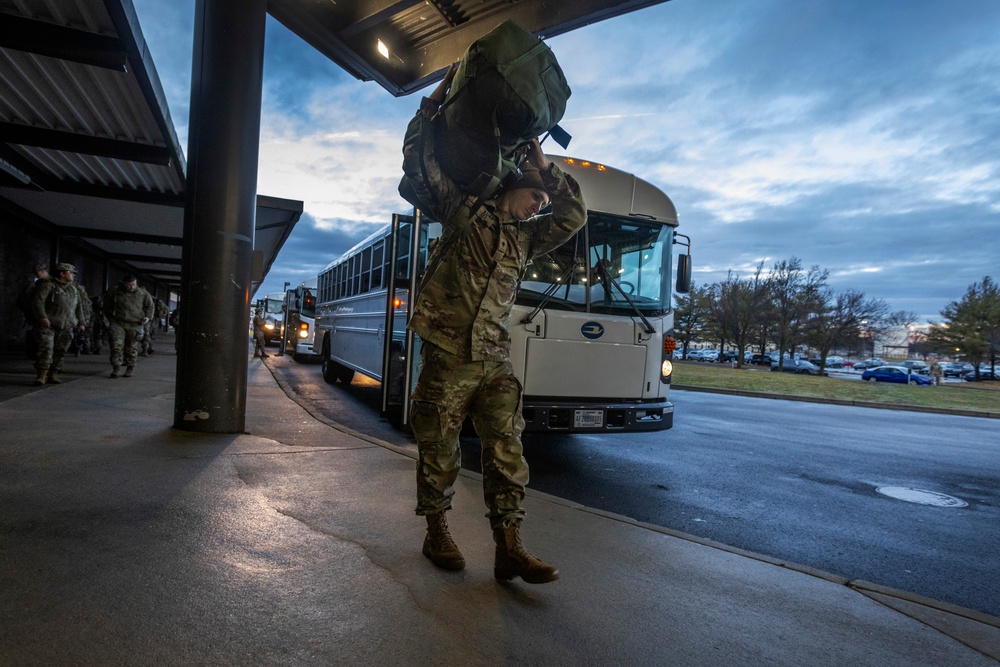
pixel 345 375
pixel 329 370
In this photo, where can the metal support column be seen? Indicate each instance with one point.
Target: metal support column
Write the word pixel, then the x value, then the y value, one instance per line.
pixel 223 146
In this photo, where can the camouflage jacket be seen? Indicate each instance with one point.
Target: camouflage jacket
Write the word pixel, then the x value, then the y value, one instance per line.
pixel 59 302
pixel 88 308
pixel 472 277
pixel 126 307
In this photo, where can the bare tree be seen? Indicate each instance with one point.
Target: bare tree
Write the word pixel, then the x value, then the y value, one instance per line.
pixel 740 305
pixel 842 319
pixel 796 296
pixel 690 314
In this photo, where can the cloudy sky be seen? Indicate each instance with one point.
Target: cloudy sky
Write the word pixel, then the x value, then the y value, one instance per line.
pixel 859 136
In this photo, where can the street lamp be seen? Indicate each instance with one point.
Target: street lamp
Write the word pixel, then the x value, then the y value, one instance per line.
pixel 284 318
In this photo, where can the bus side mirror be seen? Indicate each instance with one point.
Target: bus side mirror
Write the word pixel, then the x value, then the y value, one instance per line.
pixel 684 273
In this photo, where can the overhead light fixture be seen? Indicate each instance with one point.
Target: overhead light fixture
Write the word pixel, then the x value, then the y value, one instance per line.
pixel 383 49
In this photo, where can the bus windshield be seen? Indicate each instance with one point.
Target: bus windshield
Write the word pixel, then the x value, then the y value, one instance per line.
pixel 273 305
pixel 589 272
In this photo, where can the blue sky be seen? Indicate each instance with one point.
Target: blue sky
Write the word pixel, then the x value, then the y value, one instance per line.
pixel 859 136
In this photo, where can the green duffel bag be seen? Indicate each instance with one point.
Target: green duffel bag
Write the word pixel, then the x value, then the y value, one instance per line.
pixel 508 89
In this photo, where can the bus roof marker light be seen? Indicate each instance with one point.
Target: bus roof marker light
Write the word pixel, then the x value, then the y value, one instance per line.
pixel 383 49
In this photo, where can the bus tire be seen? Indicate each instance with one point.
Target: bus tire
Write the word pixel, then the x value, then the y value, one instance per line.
pixel 344 374
pixel 329 372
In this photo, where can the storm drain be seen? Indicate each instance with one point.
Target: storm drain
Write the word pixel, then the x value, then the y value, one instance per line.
pixel 921 497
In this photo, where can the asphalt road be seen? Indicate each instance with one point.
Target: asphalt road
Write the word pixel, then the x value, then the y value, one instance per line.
pixel 796 481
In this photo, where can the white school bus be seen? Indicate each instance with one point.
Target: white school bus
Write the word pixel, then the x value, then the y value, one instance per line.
pixel 591 329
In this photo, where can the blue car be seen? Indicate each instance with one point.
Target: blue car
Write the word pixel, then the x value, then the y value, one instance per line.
pixel 896 374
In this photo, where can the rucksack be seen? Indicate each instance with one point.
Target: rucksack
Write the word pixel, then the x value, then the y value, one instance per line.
pixel 25 298
pixel 508 89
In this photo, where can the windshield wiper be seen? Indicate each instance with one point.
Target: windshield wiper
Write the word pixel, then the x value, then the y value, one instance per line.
pixel 602 269
pixel 550 291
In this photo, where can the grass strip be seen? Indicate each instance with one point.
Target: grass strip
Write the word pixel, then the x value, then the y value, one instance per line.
pixel 970 396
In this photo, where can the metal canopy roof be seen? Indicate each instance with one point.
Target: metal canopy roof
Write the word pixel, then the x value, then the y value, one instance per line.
pixel 88 150
pixel 423 37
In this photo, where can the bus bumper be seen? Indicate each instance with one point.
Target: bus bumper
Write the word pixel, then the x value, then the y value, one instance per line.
pixel 550 416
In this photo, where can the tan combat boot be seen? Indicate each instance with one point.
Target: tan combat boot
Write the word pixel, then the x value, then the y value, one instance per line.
pixel 128 371
pixel 42 374
pixel 116 371
pixel 438 545
pixel 513 560
pixel 54 377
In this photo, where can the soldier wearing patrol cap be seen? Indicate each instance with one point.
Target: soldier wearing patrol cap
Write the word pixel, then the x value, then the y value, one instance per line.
pixel 128 308
pixel 57 310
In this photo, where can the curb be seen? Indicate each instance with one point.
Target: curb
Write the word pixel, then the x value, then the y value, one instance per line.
pixel 838 401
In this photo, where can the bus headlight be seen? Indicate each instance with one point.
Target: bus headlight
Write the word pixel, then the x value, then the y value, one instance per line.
pixel 666 368
pixel 304 333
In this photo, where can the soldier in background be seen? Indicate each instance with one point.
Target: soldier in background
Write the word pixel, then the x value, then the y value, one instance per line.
pixel 128 308
pixel 258 334
pixel 146 340
pixel 39 272
pixel 79 343
pixel 937 374
pixel 162 315
pixel 98 326
pixel 58 313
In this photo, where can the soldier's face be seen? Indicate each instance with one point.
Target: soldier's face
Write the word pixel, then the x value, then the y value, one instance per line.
pixel 131 287
pixel 524 203
pixel 65 276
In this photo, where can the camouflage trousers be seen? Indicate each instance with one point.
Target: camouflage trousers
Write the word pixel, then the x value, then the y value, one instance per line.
pixel 123 338
pixel 52 346
pixel 259 343
pixel 449 388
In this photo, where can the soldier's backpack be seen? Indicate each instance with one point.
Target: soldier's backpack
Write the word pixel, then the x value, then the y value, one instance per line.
pixel 508 89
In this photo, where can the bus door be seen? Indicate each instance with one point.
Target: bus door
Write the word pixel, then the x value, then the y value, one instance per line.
pixel 401 348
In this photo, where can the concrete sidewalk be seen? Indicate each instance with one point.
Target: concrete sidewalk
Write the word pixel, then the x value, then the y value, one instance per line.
pixel 126 542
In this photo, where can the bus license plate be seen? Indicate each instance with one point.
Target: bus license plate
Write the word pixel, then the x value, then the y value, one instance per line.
pixel 588 418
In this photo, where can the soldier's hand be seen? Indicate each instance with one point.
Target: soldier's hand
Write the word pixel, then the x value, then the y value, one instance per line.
pixel 536 156
pixel 44 322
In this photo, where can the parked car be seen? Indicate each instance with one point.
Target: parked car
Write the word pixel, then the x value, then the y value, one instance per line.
pixel 728 356
pixel 797 366
pixel 956 369
pixel 898 374
pixel 709 355
pixel 916 366
pixel 765 359
pixel 865 364
pixel 832 361
pixel 983 375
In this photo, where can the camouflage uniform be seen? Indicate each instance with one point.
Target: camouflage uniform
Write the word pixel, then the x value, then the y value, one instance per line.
pixel 58 302
pixel 259 342
pixel 162 313
pixel 98 325
pixel 125 311
pixel 462 313
pixel 80 339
